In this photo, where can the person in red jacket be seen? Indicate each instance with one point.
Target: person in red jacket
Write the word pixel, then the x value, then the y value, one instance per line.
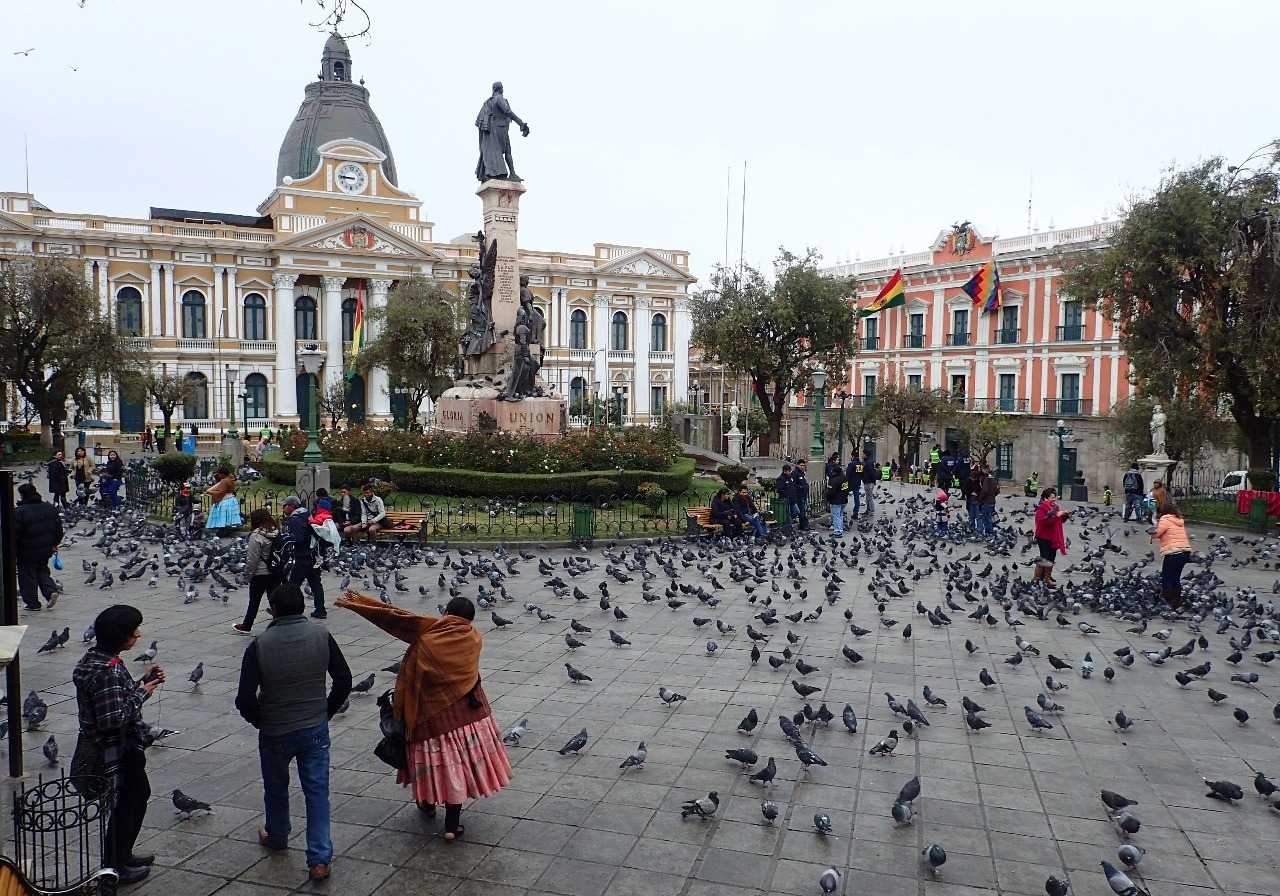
pixel 1049 535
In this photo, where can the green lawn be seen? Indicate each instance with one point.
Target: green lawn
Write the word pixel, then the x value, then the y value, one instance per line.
pixel 1208 510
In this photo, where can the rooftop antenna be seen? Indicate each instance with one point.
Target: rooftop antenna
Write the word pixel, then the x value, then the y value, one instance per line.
pixel 742 235
pixel 1030 189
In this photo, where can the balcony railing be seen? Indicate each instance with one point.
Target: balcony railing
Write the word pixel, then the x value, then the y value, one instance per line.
pixel 913 340
pixel 138 343
pixel 1000 405
pixel 662 357
pixel 1007 337
pixel 871 343
pixel 1068 407
pixel 581 354
pixel 257 345
pixel 957 338
pixel 203 345
pixel 625 357
pixel 960 400
pixel 1071 333
pixel 853 401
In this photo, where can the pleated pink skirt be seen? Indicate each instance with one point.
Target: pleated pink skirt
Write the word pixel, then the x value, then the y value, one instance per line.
pixel 466 763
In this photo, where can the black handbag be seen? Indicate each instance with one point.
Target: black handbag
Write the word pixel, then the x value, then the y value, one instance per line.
pixel 88 767
pixel 392 749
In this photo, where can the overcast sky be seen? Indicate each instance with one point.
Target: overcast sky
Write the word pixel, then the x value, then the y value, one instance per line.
pixel 865 126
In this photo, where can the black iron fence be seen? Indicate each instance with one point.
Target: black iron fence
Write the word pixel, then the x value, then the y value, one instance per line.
pixel 60 831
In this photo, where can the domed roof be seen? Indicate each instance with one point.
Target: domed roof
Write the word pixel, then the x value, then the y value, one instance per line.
pixel 333 108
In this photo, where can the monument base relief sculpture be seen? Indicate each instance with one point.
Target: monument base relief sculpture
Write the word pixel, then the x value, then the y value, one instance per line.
pixel 500 355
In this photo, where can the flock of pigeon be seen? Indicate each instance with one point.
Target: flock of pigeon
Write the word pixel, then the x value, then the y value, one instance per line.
pixel 772 594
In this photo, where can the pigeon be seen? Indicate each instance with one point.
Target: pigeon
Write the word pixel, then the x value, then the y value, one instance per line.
pixel 196 674
pixel 1055 886
pixel 766 774
pixel 364 685
pixel 975 724
pixel 807 757
pixel 517 732
pixel 851 655
pixel 50 750
pixel 1128 824
pixel 186 806
pixel 910 791
pixel 830 880
pixel 1123 722
pixel 985 677
pixel 712 647
pixel 703 808
pixel 902 814
pixel 749 722
pixel 1087 629
pixel 804 690
pixel 936 857
pixel 1227 791
pixel 574 675
pixel 822 822
pixel 1037 721
pixel 850 719
pixel 933 699
pixel 498 621
pixel 1249 678
pixel 746 757
pixel 1120 883
pixel 769 810
pixel 1216 696
pixel 1264 787
pixel 575 744
pixel 637 757
pixel 1054 685
pixel 1130 855
pixel 1241 716
pixel 1115 802
pixel 50 645
pixel 618 640
pixel 147 655
pixel 668 696
pixel 571 642
pixel 886 746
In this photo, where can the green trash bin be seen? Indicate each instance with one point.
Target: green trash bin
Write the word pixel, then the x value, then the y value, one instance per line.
pixel 778 507
pixel 583 525
pixel 1258 514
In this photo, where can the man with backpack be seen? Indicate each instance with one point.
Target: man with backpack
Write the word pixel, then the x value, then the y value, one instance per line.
pixel 837 500
pixel 298 530
pixel 1133 492
pixel 786 493
pixel 800 494
pixel 854 474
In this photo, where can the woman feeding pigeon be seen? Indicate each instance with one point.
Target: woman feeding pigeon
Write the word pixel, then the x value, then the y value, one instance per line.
pixel 226 506
pixel 1175 549
pixel 455 748
pixel 112 734
pixel 1049 535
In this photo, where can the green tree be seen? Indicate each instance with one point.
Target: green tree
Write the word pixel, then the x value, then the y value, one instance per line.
pixel 1193 276
pixel 861 424
pixel 907 410
pixel 167 390
pixel 983 433
pixel 331 402
pixel 417 342
pixel 1191 430
pixel 774 334
pixel 54 346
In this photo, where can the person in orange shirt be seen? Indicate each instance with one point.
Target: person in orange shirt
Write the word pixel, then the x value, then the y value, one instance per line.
pixel 1175 548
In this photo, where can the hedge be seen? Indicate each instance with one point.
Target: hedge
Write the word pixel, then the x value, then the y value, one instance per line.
pixel 436 481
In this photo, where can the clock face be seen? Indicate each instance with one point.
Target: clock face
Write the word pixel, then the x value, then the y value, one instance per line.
pixel 351 178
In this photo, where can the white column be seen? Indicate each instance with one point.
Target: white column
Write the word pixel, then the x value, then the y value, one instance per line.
pixel 640 325
pixel 104 288
pixel 681 333
pixel 175 317
pixel 331 327
pixel 286 403
pixel 377 385
pixel 233 306
pixel 600 342
pixel 219 324
pixel 153 303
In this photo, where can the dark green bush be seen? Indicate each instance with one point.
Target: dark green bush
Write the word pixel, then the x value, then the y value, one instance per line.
pixel 733 475
pixel 174 467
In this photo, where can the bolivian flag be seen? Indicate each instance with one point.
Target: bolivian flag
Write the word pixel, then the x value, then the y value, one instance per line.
pixel 357 332
pixel 984 287
pixel 894 295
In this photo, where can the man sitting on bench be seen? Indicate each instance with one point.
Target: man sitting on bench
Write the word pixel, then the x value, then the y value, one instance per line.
pixel 722 512
pixel 372 514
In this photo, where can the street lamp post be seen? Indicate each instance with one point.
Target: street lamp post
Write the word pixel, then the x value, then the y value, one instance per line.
pixel 1062 433
pixel 232 372
pixel 246 401
pixel 312 359
pixel 595 405
pixel 617 400
pixel 819 380
pixel 843 396
pixel 695 398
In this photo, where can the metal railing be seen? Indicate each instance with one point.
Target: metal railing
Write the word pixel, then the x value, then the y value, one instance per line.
pixel 60 831
pixel 1000 405
pixel 1007 337
pixel 870 343
pixel 958 338
pixel 1069 407
pixel 913 340
pixel 1070 333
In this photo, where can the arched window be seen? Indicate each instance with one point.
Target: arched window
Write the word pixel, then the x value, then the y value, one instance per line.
pixel 348 319
pixel 339 72
pixel 658 333
pixel 578 329
pixel 129 311
pixel 193 317
pixel 255 401
pixel 304 318
pixel 619 343
pixel 255 317
pixel 577 394
pixel 196 404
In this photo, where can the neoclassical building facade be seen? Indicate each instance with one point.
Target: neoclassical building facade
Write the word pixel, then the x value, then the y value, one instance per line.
pixel 227 301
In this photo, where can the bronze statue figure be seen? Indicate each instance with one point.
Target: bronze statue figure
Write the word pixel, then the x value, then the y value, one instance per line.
pixel 523 381
pixel 480 336
pixel 493 123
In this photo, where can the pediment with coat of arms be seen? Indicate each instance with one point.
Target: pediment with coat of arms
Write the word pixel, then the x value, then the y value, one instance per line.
pixel 357 234
pixel 643 263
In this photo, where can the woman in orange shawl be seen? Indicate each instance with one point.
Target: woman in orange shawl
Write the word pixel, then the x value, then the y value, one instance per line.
pixel 455 748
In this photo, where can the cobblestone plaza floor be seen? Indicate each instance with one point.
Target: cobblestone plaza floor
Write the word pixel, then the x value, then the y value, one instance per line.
pixel 1010 807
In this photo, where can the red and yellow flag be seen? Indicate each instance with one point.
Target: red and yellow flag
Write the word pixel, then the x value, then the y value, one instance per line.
pixel 892 295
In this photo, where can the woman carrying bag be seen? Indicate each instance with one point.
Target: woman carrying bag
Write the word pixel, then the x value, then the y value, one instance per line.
pixel 455 749
pixel 257 567
pixel 58 479
pixel 82 475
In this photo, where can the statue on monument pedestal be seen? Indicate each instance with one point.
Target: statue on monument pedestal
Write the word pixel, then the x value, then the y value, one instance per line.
pixel 529 314
pixel 494 123
pixel 523 381
pixel 733 417
pixel 480 336
pixel 1158 420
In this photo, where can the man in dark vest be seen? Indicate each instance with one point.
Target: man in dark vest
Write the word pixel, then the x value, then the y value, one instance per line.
pixel 38 531
pixel 282 694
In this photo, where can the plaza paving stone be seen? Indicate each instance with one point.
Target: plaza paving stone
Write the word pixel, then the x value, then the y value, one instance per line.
pixel 1009 806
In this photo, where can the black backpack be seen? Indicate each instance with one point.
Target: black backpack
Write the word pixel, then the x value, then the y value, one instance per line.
pixel 1132 482
pixel 283 553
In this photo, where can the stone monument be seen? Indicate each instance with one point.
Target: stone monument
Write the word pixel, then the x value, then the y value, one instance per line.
pixel 1157 464
pixel 735 436
pixel 501 351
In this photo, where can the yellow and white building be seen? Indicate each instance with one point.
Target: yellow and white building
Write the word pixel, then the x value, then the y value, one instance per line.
pixel 228 300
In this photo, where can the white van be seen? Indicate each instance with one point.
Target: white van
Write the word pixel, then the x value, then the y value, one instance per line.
pixel 1235 481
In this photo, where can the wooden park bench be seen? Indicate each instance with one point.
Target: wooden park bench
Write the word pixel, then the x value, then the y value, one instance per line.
pixel 14 883
pixel 403 524
pixel 698 522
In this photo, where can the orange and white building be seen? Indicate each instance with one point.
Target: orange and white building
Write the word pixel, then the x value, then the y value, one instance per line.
pixel 1042 357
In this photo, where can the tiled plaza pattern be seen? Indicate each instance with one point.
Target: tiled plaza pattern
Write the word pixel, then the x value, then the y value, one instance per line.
pixel 1009 807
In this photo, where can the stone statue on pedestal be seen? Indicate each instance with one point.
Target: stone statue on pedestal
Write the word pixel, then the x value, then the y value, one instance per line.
pixel 494 122
pixel 1158 420
pixel 733 417
pixel 480 335
pixel 523 381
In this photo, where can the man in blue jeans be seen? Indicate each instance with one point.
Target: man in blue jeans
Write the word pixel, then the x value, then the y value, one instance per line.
pixel 800 495
pixel 282 694
pixel 298 530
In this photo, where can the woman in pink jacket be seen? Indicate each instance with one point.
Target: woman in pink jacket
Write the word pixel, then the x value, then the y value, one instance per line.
pixel 1175 548
pixel 1049 535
